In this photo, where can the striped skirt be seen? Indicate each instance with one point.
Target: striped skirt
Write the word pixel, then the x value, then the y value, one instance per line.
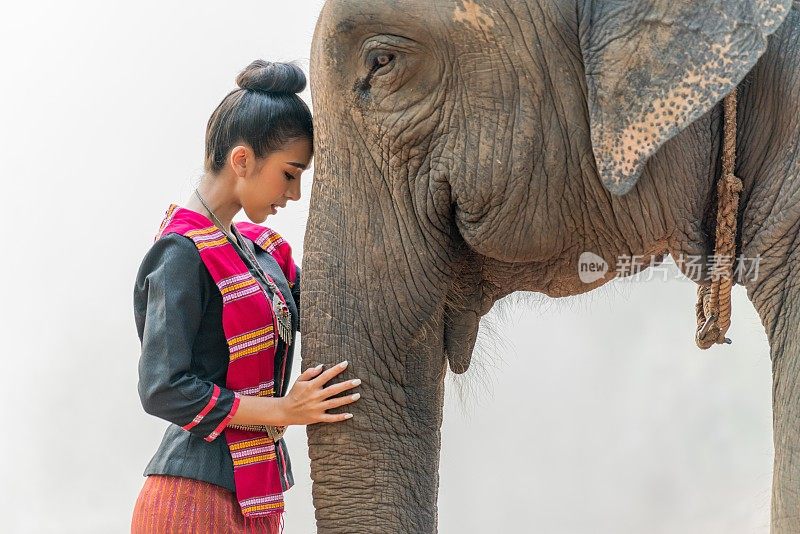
pixel 172 504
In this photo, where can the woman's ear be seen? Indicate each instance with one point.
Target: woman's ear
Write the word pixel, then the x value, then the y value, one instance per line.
pixel 241 158
pixel 654 66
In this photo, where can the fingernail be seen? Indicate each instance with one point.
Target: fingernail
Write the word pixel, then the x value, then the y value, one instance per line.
pixel 343 364
pixel 356 382
pixel 355 396
pixel 348 416
pixel 317 368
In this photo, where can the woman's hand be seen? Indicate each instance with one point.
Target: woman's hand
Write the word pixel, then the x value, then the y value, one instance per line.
pixel 308 399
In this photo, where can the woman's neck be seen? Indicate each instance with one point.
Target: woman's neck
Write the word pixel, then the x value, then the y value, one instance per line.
pixel 217 192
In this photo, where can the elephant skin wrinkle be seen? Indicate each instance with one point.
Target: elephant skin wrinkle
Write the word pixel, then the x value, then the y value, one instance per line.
pixel 466 149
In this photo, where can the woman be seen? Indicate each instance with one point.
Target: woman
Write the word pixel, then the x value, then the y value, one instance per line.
pixel 216 308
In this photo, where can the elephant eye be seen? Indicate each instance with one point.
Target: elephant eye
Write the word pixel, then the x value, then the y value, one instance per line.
pixel 378 60
pixel 386 61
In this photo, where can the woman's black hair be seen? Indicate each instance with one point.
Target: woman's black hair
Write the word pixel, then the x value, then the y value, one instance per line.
pixel 264 112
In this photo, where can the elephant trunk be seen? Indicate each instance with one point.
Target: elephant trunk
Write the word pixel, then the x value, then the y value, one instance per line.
pixel 377 472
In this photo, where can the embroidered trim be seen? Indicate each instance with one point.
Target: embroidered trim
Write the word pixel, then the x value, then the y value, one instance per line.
pixel 251 343
pixel 257 504
pixel 217 431
pixel 272 243
pixel 269 240
pixel 208 407
pixel 264 389
pixel 237 286
pixel 210 237
pixel 252 451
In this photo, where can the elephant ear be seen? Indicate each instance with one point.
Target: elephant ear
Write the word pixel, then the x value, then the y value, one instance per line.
pixel 654 66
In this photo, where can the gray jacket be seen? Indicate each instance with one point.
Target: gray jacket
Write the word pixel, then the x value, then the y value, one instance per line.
pixel 178 312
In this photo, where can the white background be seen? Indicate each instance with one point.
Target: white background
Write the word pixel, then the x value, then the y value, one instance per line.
pixel 588 415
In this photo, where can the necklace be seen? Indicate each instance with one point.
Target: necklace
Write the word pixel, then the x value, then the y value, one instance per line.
pixel 279 307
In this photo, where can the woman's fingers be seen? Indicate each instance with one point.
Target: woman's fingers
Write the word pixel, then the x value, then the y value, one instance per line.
pixel 335 389
pixel 310 373
pixel 312 399
pixel 335 417
pixel 340 401
pixel 328 375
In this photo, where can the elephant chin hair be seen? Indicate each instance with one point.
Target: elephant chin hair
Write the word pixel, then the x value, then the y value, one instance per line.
pixel 487 358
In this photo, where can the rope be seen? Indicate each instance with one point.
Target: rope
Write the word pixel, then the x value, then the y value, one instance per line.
pixel 713 308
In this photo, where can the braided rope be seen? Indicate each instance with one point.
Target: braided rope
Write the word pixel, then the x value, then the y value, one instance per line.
pixel 713 308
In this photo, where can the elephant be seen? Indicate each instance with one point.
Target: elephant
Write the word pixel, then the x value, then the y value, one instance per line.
pixel 467 149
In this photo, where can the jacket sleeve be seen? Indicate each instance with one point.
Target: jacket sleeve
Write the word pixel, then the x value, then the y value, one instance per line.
pixel 169 301
pixel 296 295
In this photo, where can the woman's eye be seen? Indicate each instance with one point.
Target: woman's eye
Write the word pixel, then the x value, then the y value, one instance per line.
pixel 289 176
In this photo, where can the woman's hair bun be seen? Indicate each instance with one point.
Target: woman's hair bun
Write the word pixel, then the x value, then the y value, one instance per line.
pixel 272 77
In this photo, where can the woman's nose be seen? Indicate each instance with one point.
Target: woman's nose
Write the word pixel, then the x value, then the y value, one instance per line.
pixel 293 193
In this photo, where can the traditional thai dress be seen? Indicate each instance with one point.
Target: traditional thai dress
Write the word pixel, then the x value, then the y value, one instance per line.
pixel 183 371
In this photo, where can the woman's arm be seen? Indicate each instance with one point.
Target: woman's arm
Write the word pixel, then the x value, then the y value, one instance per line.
pixel 305 404
pixel 169 302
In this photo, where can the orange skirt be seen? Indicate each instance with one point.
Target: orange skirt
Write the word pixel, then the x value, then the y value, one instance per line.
pixel 172 504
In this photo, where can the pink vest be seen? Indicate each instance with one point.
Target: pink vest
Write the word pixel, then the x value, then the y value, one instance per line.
pixel 250 328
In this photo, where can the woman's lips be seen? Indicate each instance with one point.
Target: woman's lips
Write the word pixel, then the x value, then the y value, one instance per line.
pixel 274 208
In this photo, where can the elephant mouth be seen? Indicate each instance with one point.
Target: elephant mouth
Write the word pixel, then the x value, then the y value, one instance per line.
pixel 460 334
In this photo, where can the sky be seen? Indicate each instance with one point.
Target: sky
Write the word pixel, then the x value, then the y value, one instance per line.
pixel 593 414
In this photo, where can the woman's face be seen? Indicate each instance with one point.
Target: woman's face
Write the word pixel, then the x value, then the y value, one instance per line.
pixel 275 180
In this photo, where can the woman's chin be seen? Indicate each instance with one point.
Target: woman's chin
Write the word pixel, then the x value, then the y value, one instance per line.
pixel 261 215
pixel 258 217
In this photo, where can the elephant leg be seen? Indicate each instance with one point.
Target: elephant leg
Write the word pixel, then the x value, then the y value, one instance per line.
pixel 776 296
pixel 786 432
